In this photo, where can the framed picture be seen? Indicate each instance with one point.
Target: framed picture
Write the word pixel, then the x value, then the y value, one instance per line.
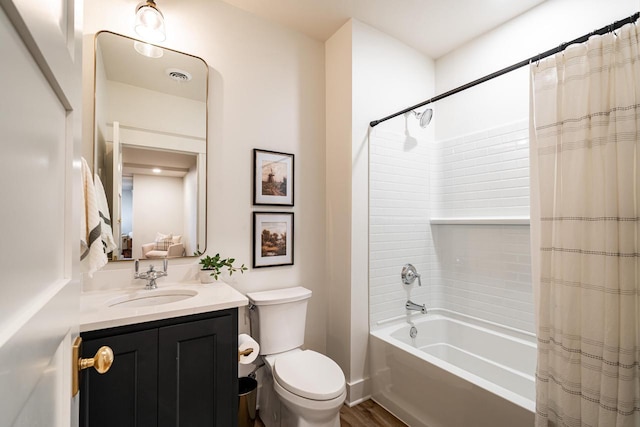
pixel 272 178
pixel 272 239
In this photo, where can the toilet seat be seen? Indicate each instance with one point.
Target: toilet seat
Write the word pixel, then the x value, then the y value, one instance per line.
pixel 309 375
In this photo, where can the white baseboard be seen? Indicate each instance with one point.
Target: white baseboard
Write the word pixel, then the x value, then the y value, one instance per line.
pixel 358 391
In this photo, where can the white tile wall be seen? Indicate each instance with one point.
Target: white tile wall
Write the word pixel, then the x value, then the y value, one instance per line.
pixel 483 174
pixel 485 271
pixel 399 222
pixel 479 270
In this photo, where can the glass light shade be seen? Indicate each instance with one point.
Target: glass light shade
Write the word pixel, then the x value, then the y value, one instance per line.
pixel 148 50
pixel 150 22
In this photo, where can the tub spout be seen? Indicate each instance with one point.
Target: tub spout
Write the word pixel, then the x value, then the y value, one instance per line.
pixel 410 305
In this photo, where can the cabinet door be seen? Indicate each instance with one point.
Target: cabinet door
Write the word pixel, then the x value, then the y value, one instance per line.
pixel 126 394
pixel 198 382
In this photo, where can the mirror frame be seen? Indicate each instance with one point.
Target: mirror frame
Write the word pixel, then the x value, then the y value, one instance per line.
pixel 206 165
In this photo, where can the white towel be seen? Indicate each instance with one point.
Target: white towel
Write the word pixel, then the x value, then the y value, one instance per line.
pixel 92 254
pixel 105 219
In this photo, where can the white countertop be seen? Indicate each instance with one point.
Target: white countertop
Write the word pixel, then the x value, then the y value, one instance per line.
pixel 98 312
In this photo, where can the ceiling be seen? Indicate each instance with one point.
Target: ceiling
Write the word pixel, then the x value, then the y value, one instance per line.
pixel 144 160
pixel 122 63
pixel 434 27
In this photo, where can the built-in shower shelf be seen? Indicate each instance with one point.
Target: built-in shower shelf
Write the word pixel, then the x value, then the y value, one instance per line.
pixel 481 221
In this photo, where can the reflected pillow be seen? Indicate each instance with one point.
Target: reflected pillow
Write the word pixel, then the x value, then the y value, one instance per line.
pixel 177 239
pixel 163 241
pixel 160 236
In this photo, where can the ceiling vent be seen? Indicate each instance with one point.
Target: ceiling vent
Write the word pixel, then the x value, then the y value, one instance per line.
pixel 178 75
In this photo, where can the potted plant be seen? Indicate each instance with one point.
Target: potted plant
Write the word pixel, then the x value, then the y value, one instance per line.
pixel 211 267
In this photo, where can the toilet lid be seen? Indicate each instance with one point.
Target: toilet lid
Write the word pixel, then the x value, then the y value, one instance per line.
pixel 309 374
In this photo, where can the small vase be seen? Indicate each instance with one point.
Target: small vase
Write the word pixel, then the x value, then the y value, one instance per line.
pixel 206 277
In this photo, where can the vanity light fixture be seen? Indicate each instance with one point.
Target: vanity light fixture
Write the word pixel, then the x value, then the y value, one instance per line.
pixel 156 170
pixel 150 22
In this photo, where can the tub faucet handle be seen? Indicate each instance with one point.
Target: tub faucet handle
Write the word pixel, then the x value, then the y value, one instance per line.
pixel 409 274
pixel 412 306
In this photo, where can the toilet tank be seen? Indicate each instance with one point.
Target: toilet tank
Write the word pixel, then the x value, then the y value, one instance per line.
pixel 278 318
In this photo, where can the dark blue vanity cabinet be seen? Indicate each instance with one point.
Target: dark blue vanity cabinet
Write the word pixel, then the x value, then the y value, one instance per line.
pixel 171 372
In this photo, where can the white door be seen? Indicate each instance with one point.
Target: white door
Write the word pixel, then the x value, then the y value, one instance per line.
pixel 116 219
pixel 40 103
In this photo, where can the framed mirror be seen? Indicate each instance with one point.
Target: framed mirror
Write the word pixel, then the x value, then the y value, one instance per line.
pixel 150 146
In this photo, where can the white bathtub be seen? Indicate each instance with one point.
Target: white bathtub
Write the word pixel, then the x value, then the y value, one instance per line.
pixel 457 372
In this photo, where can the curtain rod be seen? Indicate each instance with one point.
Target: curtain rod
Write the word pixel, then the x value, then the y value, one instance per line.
pixel 563 46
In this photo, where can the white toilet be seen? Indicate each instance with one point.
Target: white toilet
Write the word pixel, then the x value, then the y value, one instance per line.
pixel 301 388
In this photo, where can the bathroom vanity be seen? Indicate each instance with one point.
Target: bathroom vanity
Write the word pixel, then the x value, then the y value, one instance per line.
pixel 175 363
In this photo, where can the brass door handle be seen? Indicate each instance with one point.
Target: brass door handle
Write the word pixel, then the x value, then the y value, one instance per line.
pixel 101 362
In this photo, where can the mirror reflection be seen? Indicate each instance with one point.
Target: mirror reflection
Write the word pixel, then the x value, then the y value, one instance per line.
pixel 150 146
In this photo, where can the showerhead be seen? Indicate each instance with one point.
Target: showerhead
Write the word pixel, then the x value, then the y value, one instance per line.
pixel 424 117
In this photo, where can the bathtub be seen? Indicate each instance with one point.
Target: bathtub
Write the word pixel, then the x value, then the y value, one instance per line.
pixel 458 371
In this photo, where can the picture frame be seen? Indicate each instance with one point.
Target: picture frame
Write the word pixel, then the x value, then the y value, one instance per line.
pixel 273 178
pixel 272 239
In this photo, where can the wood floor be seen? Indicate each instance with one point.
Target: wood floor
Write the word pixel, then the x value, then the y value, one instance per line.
pixel 366 414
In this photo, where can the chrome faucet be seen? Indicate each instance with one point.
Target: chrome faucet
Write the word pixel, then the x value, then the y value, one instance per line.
pixel 410 305
pixel 152 274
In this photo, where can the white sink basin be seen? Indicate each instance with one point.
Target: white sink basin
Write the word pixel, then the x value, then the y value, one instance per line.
pixel 150 298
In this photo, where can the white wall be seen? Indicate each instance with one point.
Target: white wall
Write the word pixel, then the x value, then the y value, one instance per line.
pixel 400 233
pixel 338 52
pixel 127 211
pixel 190 189
pixel 369 74
pixel 391 76
pixel 266 90
pixel 147 109
pixel 483 174
pixel 506 99
pixel 158 207
pixel 485 271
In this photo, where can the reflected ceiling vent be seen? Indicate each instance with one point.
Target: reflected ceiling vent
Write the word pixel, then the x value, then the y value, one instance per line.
pixel 178 75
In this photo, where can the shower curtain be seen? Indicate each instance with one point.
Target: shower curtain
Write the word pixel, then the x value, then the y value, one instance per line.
pixel 585 183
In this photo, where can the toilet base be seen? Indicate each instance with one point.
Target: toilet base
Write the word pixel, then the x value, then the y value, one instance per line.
pixel 290 412
pixel 268 401
pixel 296 412
pixel 289 419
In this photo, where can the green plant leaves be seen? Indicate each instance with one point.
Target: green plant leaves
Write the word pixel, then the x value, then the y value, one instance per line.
pixel 216 263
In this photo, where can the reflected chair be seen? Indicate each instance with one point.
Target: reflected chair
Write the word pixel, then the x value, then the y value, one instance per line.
pixel 166 246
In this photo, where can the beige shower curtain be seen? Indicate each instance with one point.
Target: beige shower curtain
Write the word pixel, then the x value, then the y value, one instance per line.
pixel 585 182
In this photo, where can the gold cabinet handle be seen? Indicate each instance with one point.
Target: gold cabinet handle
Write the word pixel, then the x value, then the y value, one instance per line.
pixel 101 362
